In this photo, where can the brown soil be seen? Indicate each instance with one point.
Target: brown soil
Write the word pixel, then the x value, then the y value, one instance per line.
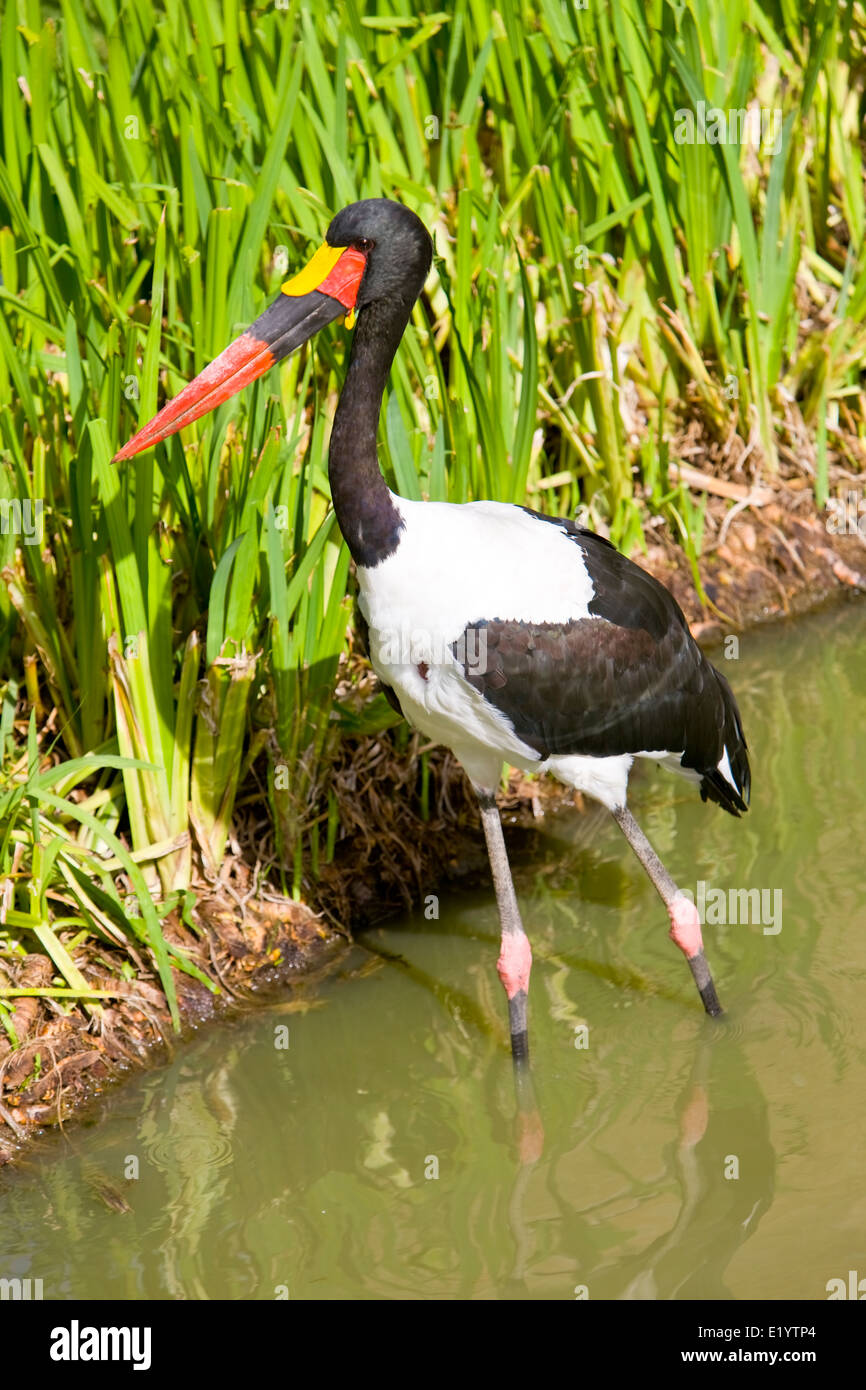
pixel 774 557
pixel 774 561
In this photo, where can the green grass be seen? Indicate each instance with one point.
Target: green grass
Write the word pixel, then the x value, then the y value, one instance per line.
pixel 163 168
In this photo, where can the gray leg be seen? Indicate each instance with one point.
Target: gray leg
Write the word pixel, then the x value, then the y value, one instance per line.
pixel 515 956
pixel 685 924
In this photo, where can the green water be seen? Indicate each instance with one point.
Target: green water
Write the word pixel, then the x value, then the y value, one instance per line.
pixel 377 1155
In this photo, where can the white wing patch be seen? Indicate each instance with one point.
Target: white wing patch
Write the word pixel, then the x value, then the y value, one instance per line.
pixel 724 767
pixel 457 564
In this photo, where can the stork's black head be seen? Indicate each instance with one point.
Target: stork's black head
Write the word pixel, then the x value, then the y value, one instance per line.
pixel 376 252
pixel 396 245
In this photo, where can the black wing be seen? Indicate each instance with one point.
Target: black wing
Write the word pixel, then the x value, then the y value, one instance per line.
pixel 629 679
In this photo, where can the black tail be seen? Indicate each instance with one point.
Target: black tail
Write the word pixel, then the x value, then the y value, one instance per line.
pixel 714 785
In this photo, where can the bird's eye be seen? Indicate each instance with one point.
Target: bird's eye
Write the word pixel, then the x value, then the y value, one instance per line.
pixel 364 244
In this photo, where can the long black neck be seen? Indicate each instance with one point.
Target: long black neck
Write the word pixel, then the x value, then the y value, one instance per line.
pixel 366 514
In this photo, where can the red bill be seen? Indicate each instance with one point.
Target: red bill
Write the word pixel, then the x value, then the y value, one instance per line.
pixel 325 289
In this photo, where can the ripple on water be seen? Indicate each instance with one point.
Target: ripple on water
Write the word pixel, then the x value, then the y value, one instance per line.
pixel 168 1152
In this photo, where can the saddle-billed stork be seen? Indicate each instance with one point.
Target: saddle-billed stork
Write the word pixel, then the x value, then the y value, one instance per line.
pixel 507 635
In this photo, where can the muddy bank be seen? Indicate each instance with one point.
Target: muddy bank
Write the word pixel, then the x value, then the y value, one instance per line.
pixel 771 561
pixel 251 951
pixel 771 558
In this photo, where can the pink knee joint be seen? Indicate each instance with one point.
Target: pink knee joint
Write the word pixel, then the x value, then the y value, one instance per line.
pixel 515 962
pixel 685 926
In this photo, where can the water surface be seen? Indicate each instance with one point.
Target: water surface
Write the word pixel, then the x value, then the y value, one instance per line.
pixel 361 1141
